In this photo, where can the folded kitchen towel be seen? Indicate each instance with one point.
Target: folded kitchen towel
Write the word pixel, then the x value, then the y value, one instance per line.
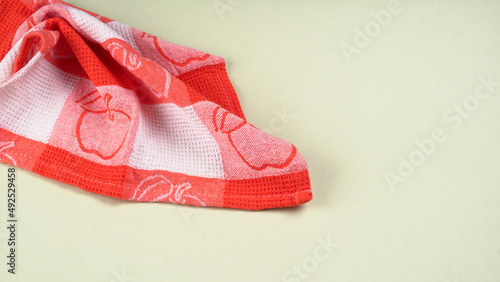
pixel 94 103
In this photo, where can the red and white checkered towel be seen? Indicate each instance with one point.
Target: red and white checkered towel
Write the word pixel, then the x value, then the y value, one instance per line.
pixel 113 110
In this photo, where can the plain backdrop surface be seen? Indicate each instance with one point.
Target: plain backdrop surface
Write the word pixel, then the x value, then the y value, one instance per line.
pixel 389 103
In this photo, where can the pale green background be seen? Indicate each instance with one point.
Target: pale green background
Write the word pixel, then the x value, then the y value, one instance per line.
pixel 352 121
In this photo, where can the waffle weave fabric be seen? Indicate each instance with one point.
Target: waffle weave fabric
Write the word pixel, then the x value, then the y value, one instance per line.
pixel 113 110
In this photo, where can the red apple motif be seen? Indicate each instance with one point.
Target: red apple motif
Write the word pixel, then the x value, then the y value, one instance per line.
pixel 130 59
pixel 256 148
pixel 201 56
pixel 101 130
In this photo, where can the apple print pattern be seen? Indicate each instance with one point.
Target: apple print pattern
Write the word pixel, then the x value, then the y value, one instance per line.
pixel 241 135
pixel 4 146
pixel 183 63
pixel 129 59
pixel 157 188
pixel 97 122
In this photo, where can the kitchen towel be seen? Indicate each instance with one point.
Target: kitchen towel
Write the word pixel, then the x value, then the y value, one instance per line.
pixel 95 103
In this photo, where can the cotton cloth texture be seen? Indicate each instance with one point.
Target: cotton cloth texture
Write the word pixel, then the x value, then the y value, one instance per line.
pixel 113 110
